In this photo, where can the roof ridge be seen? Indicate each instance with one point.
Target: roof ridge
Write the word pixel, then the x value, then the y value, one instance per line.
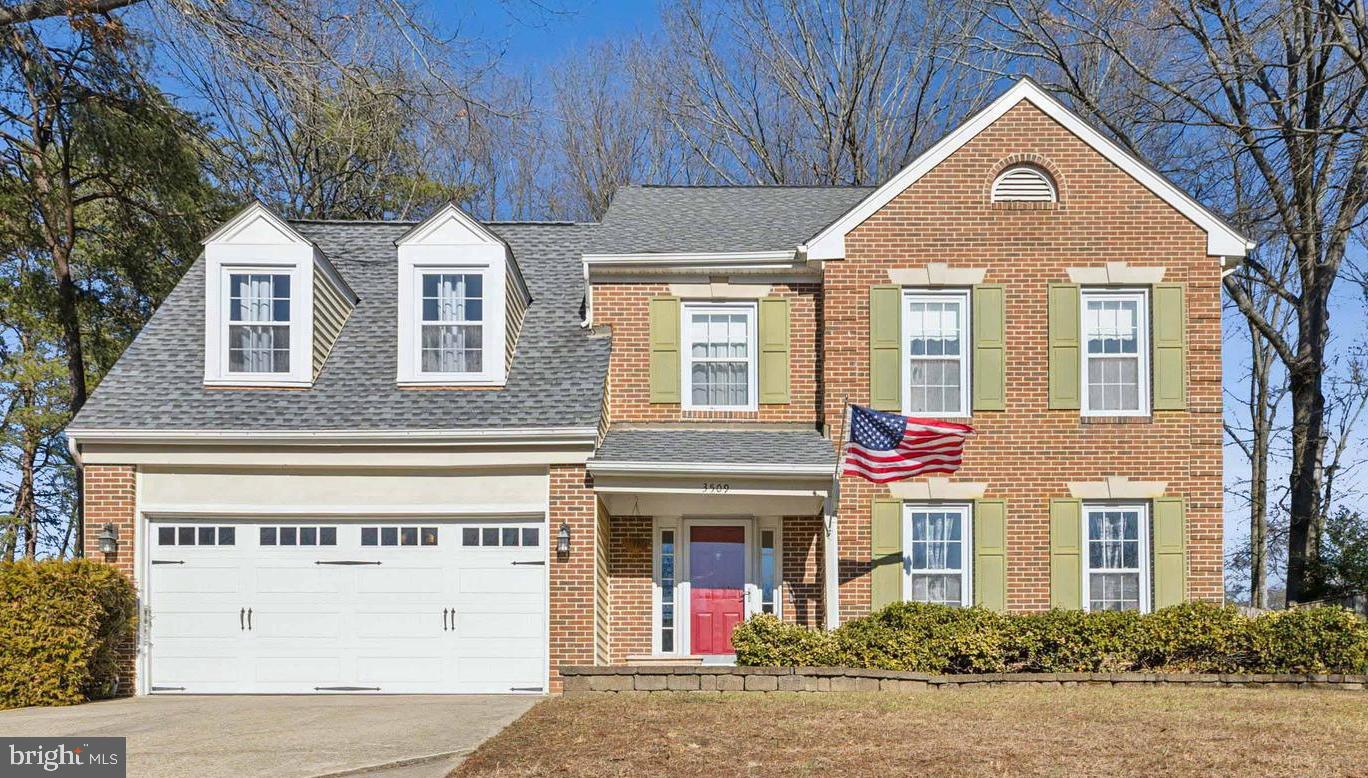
pixel 748 186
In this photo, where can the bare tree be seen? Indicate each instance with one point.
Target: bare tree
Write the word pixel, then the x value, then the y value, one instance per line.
pixel 805 92
pixel 1285 82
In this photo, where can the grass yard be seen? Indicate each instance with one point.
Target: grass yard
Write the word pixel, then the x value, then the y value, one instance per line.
pixel 1003 730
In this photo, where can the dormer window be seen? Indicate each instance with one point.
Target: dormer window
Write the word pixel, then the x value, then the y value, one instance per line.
pixel 273 304
pixel 258 323
pixel 461 303
pixel 1024 184
pixel 452 341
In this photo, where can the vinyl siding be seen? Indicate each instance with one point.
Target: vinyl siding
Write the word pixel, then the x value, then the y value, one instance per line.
pixel 331 311
pixel 516 308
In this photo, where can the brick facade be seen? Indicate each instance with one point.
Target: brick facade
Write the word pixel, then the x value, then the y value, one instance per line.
pixel 624 307
pixel 1028 453
pixel 572 501
pixel 111 498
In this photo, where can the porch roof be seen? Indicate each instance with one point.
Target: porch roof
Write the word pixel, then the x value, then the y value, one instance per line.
pixel 796 451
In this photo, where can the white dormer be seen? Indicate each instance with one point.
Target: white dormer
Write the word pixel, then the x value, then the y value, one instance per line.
pixel 259 303
pixel 461 300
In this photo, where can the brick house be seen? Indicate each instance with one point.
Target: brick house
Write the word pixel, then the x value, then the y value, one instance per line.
pixel 452 456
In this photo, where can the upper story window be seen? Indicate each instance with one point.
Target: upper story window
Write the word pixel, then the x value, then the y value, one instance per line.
pixel 1117 568
pixel 938 550
pixel 258 334
pixel 461 301
pixel 719 356
pixel 935 338
pixel 452 340
pixel 262 284
pixel 1024 184
pixel 1115 352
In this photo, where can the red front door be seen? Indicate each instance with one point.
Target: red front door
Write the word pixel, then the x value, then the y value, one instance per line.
pixel 717 581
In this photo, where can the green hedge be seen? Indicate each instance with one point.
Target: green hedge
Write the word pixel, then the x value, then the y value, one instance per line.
pixel 1193 637
pixel 61 625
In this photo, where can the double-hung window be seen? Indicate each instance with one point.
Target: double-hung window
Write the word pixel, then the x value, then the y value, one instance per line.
pixel 938 544
pixel 451 341
pixel 1116 576
pixel 1115 353
pixel 935 338
pixel 719 363
pixel 259 310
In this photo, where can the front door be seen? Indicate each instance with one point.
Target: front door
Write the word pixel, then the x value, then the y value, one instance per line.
pixel 717 578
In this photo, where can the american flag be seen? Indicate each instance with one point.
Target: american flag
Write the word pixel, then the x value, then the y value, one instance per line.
pixel 887 447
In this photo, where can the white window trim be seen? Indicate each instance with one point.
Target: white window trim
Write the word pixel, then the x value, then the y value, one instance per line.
pixel 1146 563
pixel 966 346
pixel 1143 347
pixel 967 546
pixel 657 601
pixel 411 322
pixel 752 357
pixel 773 524
pixel 217 321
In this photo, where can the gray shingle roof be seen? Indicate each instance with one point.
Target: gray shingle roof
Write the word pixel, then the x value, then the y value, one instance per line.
pixel 556 379
pixel 649 219
pixel 717 446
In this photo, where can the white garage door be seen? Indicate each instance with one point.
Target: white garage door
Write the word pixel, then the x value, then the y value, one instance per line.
pixel 399 607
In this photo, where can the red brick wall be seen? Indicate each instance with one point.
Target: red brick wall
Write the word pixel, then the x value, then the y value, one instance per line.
pixel 802 563
pixel 111 498
pixel 1028 453
pixel 625 308
pixel 572 575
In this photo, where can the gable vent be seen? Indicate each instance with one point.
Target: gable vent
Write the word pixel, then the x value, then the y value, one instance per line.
pixel 1023 183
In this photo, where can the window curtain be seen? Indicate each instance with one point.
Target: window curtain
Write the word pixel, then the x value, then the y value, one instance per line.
pixel 257 343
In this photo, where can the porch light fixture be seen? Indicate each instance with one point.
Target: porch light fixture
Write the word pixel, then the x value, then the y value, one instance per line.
pixel 563 539
pixel 109 539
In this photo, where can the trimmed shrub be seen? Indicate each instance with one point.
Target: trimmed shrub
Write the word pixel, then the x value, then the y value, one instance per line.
pixel 61 626
pixel 1192 637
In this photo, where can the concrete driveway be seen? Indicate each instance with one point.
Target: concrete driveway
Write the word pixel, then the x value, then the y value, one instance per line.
pixel 283 736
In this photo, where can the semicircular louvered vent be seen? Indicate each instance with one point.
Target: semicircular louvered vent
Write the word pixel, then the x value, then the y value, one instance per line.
pixel 1023 183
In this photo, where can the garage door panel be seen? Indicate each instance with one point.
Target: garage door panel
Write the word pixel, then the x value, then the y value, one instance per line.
pixel 406 580
pixel 291 578
pixel 359 627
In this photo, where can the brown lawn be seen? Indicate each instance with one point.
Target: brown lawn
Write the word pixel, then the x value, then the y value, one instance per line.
pixel 1004 730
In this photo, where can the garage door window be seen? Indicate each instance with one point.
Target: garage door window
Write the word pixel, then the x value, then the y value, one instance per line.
pixel 398 536
pixel 298 536
pixel 196 536
pixel 515 537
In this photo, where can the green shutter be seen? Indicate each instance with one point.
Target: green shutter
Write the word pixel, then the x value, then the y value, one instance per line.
pixel 886 568
pixel 885 350
pixel 990 554
pixel 665 376
pixel 774 350
pixel 1170 552
pixel 1065 344
pixel 1066 554
pixel 990 365
pixel 1170 348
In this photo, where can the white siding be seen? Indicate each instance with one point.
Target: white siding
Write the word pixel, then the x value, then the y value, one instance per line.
pixel 331 310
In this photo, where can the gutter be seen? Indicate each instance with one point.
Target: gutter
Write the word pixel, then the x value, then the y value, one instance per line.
pixel 543 436
pixel 759 470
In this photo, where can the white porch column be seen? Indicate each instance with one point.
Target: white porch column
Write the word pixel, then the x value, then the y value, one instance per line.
pixel 831 559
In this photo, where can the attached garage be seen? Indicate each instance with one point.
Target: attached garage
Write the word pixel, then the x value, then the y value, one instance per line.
pixel 346 606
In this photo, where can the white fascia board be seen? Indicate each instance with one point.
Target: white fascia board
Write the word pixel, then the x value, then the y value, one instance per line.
pixel 727 260
pixel 1222 240
pixel 421 231
pixel 704 468
pixel 528 436
pixel 254 210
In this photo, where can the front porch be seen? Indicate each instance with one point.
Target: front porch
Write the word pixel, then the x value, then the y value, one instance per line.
pixel 688 550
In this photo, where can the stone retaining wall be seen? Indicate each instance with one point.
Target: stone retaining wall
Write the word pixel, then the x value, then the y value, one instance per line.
pixel 712 678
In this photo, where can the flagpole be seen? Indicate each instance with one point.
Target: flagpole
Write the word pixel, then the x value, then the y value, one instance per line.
pixel 831 561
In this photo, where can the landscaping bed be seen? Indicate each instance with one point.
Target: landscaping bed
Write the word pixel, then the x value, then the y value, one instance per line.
pixel 1168 730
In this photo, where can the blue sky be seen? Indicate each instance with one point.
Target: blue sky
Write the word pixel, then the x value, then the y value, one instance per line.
pixel 531 34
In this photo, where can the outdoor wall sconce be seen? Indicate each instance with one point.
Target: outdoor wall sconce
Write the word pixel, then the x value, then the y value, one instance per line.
pixel 563 539
pixel 109 539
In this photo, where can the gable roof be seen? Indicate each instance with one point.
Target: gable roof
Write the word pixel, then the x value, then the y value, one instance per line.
pixel 556 380
pixel 1222 239
pixel 716 219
